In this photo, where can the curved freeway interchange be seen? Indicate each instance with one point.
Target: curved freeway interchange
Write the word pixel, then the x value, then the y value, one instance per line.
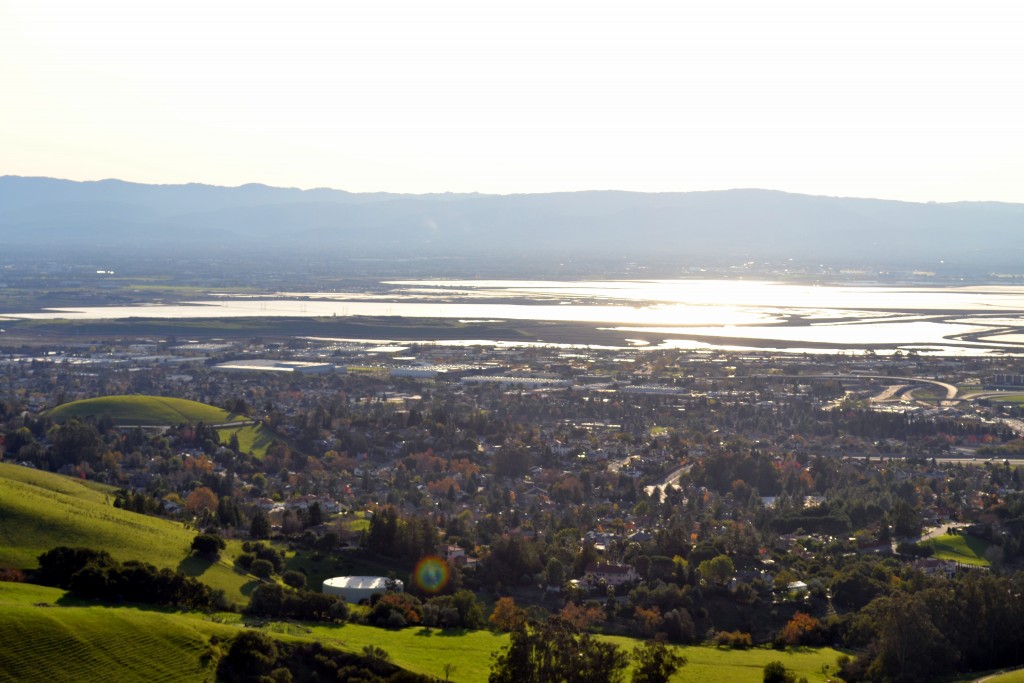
pixel 907 382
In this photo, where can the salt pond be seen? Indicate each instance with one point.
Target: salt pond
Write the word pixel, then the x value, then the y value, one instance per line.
pixel 679 313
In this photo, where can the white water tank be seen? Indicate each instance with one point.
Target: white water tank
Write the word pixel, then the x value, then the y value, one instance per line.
pixel 358 588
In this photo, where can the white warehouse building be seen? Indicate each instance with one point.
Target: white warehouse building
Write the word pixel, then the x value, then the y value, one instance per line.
pixel 355 589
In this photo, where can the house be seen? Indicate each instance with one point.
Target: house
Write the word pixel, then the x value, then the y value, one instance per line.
pixel 450 553
pixel 933 566
pixel 611 574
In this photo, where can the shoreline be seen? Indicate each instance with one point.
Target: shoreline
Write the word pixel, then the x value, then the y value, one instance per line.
pixel 376 329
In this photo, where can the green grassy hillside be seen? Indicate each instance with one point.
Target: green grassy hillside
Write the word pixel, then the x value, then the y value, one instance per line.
pixel 252 438
pixel 42 510
pixel 142 410
pixel 46 642
pixel 82 642
pixel 426 651
pixel 715 665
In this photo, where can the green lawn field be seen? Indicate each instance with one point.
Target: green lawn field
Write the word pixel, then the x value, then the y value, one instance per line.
pixel 41 510
pixel 960 548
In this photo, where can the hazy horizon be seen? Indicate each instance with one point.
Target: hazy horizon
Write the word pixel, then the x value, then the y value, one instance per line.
pixel 256 183
pixel 911 103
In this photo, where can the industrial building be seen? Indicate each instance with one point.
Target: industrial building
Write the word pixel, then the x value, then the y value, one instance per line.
pixel 261 365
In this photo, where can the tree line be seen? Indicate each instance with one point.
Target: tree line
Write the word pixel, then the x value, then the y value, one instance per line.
pixel 89 573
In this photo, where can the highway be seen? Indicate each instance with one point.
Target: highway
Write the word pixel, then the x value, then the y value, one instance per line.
pixel 904 382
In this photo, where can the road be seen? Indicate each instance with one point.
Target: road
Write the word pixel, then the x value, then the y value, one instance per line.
pixel 951 390
pixel 888 393
pixel 670 479
pixel 940 531
pixel 219 425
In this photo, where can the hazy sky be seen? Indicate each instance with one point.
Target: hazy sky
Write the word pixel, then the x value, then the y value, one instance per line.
pixel 896 99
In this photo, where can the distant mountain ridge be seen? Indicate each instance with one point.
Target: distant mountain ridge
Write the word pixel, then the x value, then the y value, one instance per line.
pixel 687 226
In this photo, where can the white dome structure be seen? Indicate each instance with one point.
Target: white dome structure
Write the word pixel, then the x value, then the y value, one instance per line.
pixel 358 588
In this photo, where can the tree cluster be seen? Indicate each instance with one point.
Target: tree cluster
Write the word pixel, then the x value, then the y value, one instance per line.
pixel 398 610
pixel 260 559
pixel 969 624
pixel 255 656
pixel 555 651
pixel 274 601
pixel 405 538
pixel 95 574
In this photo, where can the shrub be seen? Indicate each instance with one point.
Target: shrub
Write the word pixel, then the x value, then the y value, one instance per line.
pixel 395 620
pixel 506 615
pixel 460 610
pixel 244 561
pixel 374 652
pixel 57 566
pixel 271 600
pixel 655 662
pixel 678 625
pixel 802 629
pixel 735 640
pixel 296 580
pixel 11 575
pixel 209 545
pixel 255 657
pixel 395 610
pixel 262 569
pixel 133 581
pixel 556 651
pixel 262 551
pixel 775 672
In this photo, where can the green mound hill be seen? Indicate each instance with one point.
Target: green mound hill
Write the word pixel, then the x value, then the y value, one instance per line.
pixel 142 410
pixel 41 510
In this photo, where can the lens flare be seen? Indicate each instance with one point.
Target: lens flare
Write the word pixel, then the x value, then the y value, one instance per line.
pixel 431 574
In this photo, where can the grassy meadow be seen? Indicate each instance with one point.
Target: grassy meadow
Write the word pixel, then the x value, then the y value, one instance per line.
pixel 142 410
pixel 47 636
pixel 708 664
pixel 41 510
pixel 426 651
